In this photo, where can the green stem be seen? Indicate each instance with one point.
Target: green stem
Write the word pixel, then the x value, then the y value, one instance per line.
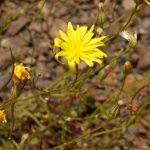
pixel 58 80
pixel 137 93
pixel 13 122
pixel 121 87
pixel 117 20
pixel 124 25
pixel 76 76
pixel 80 137
pixel 143 106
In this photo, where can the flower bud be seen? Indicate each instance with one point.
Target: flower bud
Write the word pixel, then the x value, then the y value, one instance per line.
pixel 113 64
pixel 16 91
pixel 101 18
pixel 23 143
pixel 114 111
pixel 130 37
pixel 102 74
pixel 127 67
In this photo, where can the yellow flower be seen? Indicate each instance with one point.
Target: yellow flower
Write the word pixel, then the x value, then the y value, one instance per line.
pixel 2 116
pixel 20 73
pixel 78 45
pixel 147 2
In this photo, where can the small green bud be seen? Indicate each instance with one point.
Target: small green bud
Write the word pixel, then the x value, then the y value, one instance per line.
pixel 113 64
pixel 101 18
pixel 114 111
pixel 102 74
pixel 16 91
pixel 130 37
pixel 127 67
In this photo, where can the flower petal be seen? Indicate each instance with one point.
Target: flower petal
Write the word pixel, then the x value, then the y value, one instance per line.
pixel 77 59
pixel 88 61
pixel 100 52
pixel 71 56
pixel 95 41
pixel 54 49
pixel 81 54
pixel 90 31
pixel 83 31
pixel 57 42
pixel 71 66
pixel 64 36
pixel 95 59
pixel 62 53
pixel 70 26
pixel 87 39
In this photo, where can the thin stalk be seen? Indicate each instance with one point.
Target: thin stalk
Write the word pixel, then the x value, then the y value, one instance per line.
pixel 80 137
pixel 76 76
pixel 124 25
pixel 58 80
pixel 121 88
pixel 11 73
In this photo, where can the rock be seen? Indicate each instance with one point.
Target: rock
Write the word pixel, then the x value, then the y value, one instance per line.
pixel 28 60
pixel 17 25
pixel 5 59
pixel 58 25
pixel 128 4
pixel 59 70
pixel 82 66
pixel 130 79
pixel 35 26
pixel 141 128
pixel 22 54
pixel 44 27
pixel 116 147
pixel 75 20
pixel 85 19
pixel 134 57
pixel 42 47
pixel 42 58
pixel 3 79
pixel 114 29
pixel 143 64
pixel 7 42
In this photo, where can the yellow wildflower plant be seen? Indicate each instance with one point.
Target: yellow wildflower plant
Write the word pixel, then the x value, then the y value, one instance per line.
pixel 2 117
pixel 20 73
pixel 78 45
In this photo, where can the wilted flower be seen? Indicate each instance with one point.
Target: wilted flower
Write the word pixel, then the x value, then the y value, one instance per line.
pixel 114 111
pixel 99 31
pixel 20 73
pixel 127 67
pixel 130 37
pixel 2 117
pixel 78 45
